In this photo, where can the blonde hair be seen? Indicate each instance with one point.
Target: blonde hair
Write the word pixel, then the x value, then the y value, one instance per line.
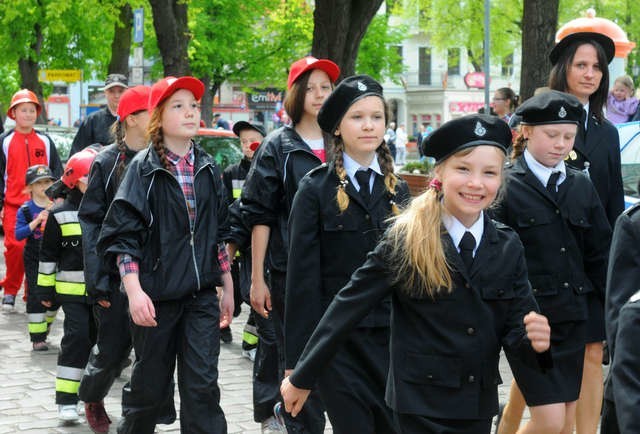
pixel 417 254
pixel 626 81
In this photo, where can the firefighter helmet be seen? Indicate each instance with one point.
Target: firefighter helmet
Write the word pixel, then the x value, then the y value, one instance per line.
pixel 78 167
pixel 23 95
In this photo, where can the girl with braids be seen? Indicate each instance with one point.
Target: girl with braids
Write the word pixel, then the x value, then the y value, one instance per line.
pixel 164 229
pixel 556 211
pixel 113 344
pixel 338 215
pixel 459 292
pixel 283 158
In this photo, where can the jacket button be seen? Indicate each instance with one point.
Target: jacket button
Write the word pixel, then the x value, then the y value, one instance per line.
pixel 532 220
pixel 565 284
pixel 562 250
pixel 340 227
pixel 430 377
pixel 367 217
pixel 580 288
pixel 535 290
pixel 471 331
pixel 557 211
pixel 471 379
pixel 466 285
pixel 500 292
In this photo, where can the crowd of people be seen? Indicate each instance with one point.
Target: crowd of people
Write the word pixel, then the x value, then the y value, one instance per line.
pixel 388 313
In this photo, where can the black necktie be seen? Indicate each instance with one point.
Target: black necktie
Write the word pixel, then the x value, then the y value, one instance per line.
pixel 552 184
pixel 467 244
pixel 363 177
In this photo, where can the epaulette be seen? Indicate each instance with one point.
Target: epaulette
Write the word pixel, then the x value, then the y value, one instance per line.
pixel 501 226
pixel 632 209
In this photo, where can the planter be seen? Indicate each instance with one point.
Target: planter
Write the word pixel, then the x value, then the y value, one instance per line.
pixel 417 182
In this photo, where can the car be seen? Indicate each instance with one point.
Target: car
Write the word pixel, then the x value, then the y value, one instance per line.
pixel 222 145
pixel 630 157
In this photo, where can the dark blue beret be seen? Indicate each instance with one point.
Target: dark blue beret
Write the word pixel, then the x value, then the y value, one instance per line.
pixel 466 132
pixel 350 90
pixel 551 107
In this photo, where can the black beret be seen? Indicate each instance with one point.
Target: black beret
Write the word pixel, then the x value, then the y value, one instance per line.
pixel 603 40
pixel 350 90
pixel 466 132
pixel 551 107
pixel 244 125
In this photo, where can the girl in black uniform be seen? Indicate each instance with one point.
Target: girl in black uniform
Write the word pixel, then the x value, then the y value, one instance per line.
pixel 283 158
pixel 558 215
pixel 459 292
pixel 338 215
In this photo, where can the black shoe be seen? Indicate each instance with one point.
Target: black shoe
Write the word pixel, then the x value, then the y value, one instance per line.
pixel 225 335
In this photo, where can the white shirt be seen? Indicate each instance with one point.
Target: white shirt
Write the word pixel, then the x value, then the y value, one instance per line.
pixel 351 167
pixel 456 229
pixel 543 172
pixel 401 138
pixel 586 118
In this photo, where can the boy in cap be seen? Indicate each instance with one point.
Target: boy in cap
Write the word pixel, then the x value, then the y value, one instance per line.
pixel 96 127
pixel 21 147
pixel 31 218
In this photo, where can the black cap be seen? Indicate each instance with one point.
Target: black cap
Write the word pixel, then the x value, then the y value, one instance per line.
pixel 244 125
pixel 115 80
pixel 467 132
pixel 603 40
pixel 38 172
pixel 350 90
pixel 551 107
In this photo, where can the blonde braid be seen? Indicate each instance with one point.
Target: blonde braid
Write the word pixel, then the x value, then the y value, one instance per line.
pixel 519 145
pixel 341 195
pixel 390 179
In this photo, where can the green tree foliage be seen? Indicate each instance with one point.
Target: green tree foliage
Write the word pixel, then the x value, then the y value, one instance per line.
pixel 378 55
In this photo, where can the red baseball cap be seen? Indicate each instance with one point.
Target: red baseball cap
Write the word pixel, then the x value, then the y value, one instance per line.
pixel 133 100
pixel 305 64
pixel 165 87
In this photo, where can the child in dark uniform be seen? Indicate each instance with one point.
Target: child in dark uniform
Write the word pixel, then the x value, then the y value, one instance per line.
pixel 338 215
pixel 459 292
pixel 557 213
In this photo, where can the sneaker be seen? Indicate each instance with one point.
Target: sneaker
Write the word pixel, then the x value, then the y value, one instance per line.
pixel 225 335
pixel 68 413
pixel 8 303
pixel 273 426
pixel 250 354
pixel 97 417
pixel 40 346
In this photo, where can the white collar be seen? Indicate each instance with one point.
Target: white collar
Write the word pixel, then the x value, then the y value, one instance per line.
pixel 586 119
pixel 351 166
pixel 543 172
pixel 456 229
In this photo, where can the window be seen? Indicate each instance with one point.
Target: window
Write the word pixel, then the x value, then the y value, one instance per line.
pixel 424 65
pixel 507 65
pixel 398 49
pixel 453 61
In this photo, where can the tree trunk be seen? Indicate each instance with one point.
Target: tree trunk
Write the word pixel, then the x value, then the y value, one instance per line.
pixel 539 23
pixel 170 23
pixel 121 44
pixel 206 104
pixel 339 26
pixel 29 72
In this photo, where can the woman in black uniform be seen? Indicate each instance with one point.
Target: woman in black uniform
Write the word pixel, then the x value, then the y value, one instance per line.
pixel 558 215
pixel 459 292
pixel 338 215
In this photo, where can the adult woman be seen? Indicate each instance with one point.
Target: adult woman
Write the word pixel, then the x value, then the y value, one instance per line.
pixel 284 157
pixel 505 102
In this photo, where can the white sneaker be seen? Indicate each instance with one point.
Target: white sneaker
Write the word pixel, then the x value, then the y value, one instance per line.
pixel 273 426
pixel 80 408
pixel 68 413
pixel 250 354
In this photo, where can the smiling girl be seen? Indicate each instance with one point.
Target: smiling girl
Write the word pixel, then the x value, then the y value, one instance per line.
pixel 459 292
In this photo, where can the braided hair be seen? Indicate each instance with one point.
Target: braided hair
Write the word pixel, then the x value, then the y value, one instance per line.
pixel 155 135
pixel 118 130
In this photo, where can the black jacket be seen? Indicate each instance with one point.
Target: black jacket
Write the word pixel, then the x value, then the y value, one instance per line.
pixel 326 247
pixel 60 267
pixel 444 352
pixel 96 128
pixel 233 178
pixel 149 220
pixel 600 146
pixel 566 242
pixel 100 277
pixel 280 163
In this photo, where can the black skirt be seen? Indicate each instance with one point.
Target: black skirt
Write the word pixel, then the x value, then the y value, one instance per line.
pixel 595 323
pixel 562 382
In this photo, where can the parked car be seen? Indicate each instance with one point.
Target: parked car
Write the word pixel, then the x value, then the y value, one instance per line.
pixel 223 145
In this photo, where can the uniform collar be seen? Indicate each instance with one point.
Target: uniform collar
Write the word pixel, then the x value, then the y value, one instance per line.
pixel 456 229
pixel 543 172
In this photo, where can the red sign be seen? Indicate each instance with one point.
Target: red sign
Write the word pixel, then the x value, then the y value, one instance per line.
pixel 474 80
pixel 465 106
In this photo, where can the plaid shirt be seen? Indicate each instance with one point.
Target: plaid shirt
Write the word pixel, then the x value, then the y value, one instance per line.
pixel 183 169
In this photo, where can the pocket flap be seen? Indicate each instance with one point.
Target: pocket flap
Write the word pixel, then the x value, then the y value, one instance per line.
pixel 431 369
pixel 533 217
pixel 500 289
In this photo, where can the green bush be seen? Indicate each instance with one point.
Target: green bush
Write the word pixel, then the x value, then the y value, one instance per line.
pixel 423 167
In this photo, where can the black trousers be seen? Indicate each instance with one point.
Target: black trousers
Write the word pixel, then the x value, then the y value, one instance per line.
pixel 416 424
pixel 266 369
pixel 353 386
pixel 311 418
pixel 609 422
pixel 187 330
pixel 39 316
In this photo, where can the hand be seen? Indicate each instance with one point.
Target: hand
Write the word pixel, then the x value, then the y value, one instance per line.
pixel 226 307
pixel 293 397
pixel 43 216
pixel 260 298
pixel 104 303
pixel 538 331
pixel 46 303
pixel 141 308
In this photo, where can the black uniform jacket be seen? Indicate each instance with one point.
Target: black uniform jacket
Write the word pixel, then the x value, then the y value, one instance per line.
pixel 281 161
pixel 100 277
pixel 444 352
pixel 234 177
pixel 600 146
pixel 149 220
pixel 96 128
pixel 566 241
pixel 625 369
pixel 623 275
pixel 327 246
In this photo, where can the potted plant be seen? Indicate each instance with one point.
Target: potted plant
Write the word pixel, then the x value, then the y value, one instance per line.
pixel 416 175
